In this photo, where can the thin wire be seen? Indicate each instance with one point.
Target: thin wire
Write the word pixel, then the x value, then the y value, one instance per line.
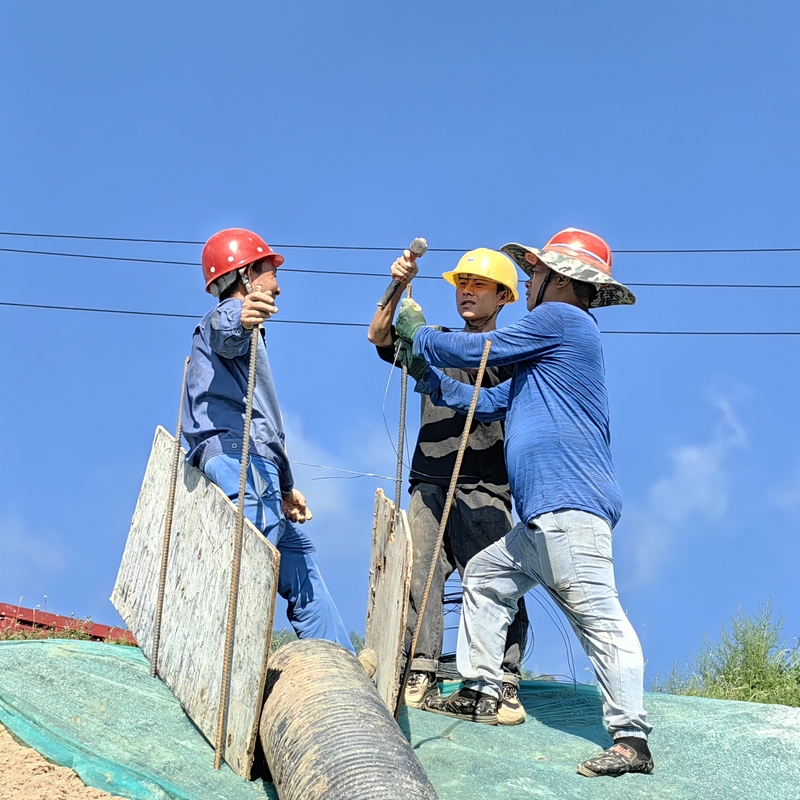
pixel 353 472
pixel 391 249
pixel 383 409
pixel 171 315
pixel 717 285
pixel 561 629
pixel 328 323
pixel 96 257
pixel 98 238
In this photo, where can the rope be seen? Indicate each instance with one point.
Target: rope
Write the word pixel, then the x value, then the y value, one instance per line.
pixel 443 524
pixel 173 480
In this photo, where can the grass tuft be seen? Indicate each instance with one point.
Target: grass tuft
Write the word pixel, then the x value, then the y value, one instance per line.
pixel 752 661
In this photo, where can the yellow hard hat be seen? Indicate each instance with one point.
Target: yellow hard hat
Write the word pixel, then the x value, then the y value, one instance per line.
pixel 487 264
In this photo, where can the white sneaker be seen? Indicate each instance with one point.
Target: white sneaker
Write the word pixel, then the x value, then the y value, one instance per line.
pixel 419 685
pixel 510 710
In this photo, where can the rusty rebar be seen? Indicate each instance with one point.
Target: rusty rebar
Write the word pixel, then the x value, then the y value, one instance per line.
pixel 173 480
pixel 237 553
pixel 401 438
pixel 442 525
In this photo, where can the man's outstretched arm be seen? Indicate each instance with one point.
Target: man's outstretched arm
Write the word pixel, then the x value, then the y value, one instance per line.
pixel 535 334
pixel 445 391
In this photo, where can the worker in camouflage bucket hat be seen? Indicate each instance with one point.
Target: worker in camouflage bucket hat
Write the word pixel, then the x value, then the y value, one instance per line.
pixel 579 255
pixel 563 482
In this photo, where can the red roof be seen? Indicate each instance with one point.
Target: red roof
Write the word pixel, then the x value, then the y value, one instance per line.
pixel 16 616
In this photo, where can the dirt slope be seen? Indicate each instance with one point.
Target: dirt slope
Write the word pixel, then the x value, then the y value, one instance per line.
pixel 28 776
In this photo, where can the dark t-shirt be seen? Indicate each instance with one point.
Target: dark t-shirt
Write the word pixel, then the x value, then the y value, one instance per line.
pixel 440 433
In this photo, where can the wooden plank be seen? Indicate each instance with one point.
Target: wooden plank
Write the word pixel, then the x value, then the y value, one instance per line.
pixel 387 604
pixel 193 621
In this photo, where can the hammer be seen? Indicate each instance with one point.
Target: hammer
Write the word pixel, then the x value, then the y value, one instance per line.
pixel 418 249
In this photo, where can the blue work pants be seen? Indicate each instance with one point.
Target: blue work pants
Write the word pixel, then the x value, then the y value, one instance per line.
pixel 311 610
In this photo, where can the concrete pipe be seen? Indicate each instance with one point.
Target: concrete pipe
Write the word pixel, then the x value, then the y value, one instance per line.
pixel 327 734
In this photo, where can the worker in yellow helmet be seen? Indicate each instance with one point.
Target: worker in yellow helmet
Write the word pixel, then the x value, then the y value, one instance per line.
pixel 484 281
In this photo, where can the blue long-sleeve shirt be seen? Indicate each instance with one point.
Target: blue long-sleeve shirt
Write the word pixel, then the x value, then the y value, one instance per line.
pixel 216 391
pixel 555 406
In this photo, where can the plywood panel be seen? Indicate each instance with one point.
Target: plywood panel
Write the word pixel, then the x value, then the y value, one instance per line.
pixel 196 599
pixel 387 604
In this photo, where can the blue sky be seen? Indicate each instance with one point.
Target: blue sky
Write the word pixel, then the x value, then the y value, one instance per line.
pixel 358 123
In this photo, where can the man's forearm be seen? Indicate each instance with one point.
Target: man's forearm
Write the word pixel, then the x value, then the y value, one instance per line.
pixel 380 329
pixel 445 391
pixel 459 350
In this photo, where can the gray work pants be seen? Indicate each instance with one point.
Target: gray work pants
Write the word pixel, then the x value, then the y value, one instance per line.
pixel 477 519
pixel 568 552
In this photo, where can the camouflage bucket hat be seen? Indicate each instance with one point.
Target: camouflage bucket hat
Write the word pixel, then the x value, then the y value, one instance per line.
pixel 580 255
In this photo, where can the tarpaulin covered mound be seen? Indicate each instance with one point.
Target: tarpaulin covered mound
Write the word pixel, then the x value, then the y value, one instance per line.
pixel 95 708
pixel 703 750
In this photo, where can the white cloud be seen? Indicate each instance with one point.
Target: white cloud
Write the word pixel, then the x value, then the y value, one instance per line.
pixel 697 486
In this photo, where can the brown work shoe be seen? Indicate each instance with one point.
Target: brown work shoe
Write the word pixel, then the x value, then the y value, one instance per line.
pixel 616 761
pixel 510 710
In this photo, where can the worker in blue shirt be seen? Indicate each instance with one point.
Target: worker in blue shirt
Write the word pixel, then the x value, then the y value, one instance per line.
pixel 562 480
pixel 240 269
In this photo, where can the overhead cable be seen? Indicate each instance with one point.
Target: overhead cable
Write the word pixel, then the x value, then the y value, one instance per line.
pixel 641 251
pixel 329 323
pixel 382 275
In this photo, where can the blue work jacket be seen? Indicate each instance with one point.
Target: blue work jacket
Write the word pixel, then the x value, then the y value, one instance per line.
pixel 216 390
pixel 558 438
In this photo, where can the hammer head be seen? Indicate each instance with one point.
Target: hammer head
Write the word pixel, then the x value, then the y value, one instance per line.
pixel 418 247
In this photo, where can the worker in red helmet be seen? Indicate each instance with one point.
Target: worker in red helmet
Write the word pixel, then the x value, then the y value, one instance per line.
pixel 485 281
pixel 562 480
pixel 240 269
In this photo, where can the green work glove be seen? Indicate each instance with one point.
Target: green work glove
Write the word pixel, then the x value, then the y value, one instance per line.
pixel 416 366
pixel 409 320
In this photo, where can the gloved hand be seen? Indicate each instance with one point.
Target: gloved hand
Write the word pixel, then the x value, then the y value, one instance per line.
pixel 416 366
pixel 409 320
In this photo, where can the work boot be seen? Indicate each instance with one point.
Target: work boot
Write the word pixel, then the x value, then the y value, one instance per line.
pixel 419 685
pixel 618 760
pixel 466 704
pixel 510 710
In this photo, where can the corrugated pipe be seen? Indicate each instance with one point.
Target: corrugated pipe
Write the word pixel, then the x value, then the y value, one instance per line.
pixel 327 734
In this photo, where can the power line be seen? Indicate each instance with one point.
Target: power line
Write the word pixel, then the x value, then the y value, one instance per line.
pixel 383 275
pixel 661 251
pixel 170 315
pixel 328 323
pixel 98 238
pixel 97 257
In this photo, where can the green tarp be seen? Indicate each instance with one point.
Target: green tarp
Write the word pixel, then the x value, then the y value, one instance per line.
pixel 94 707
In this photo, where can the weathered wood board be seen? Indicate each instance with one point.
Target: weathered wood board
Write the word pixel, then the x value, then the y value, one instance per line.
pixel 191 648
pixel 387 604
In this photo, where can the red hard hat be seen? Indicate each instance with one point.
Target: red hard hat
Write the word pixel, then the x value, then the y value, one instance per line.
pixel 584 246
pixel 232 248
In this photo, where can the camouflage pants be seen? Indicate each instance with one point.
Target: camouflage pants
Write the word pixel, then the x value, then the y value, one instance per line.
pixel 477 519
